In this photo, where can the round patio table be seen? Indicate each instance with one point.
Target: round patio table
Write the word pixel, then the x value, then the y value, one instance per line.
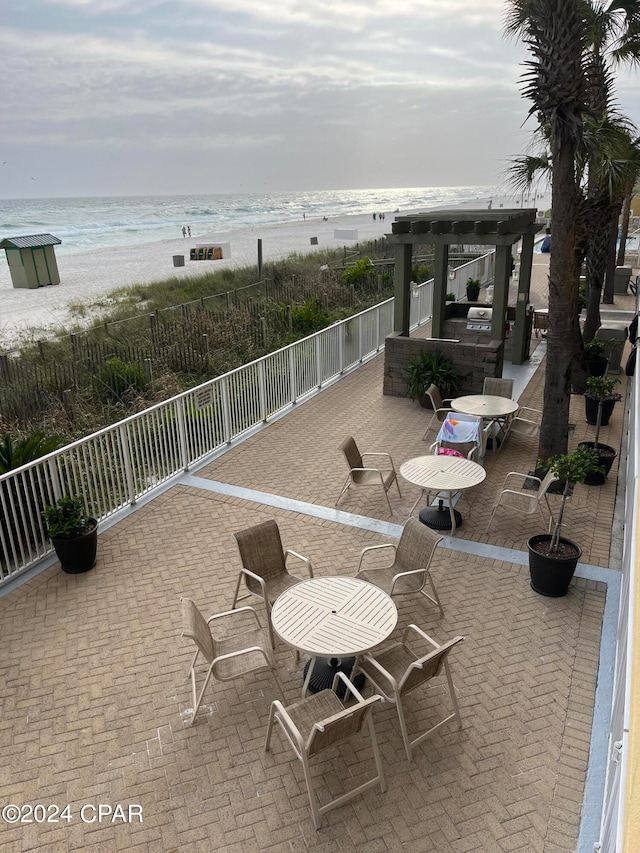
pixel 449 474
pixel 487 406
pixel 336 619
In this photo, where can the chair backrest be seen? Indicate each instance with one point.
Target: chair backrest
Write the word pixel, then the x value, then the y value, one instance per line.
pixel 427 667
pixel 461 429
pixel 433 393
pixel 546 484
pixel 339 727
pixel 261 550
pixel 194 626
pixel 351 453
pixel 416 546
pixel 496 387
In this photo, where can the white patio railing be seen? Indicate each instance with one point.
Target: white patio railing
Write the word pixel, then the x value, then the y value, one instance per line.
pixel 113 468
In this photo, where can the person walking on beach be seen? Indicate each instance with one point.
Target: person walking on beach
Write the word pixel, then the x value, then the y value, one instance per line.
pixel 374 217
pixel 189 230
pixel 184 231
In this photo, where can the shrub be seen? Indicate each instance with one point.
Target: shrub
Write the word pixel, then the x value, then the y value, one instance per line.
pixel 359 273
pixel 119 379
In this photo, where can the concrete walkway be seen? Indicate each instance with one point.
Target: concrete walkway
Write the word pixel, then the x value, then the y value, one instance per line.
pixel 95 697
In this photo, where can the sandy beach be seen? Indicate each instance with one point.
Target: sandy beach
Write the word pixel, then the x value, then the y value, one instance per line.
pixel 87 278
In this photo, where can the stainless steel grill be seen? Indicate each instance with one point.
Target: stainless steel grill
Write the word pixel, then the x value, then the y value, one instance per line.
pixel 479 319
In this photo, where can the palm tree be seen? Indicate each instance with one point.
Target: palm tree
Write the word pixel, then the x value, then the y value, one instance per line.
pixel 14 453
pixel 611 31
pixel 555 82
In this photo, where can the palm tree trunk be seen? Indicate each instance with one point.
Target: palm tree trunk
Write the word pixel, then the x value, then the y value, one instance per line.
pixel 563 302
pixel 624 227
pixel 611 262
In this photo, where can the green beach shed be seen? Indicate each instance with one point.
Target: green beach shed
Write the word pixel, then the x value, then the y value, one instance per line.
pixel 32 260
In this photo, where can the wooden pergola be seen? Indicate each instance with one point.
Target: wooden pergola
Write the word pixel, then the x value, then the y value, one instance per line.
pixel 444 228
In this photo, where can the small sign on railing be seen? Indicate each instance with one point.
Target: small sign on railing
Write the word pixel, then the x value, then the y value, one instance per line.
pixel 203 397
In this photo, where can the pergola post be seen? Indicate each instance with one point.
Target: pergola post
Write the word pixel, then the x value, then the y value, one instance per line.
pixel 501 292
pixel 440 284
pixel 519 353
pixel 402 288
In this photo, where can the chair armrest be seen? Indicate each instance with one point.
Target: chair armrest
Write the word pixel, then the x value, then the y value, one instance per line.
pixel 340 676
pixel 232 613
pixel 405 575
pixel 535 412
pixel 257 579
pixel 420 633
pixel 374 548
pixel 523 478
pixel 387 455
pixel 305 560
pixel 373 663
pixel 238 654
pixel 290 728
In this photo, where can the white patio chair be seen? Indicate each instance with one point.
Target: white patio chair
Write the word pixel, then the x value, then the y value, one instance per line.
pixel 409 572
pixel 319 722
pixel 264 565
pixel 398 670
pixel 525 501
pixel 229 655
pixel 441 407
pixel 359 475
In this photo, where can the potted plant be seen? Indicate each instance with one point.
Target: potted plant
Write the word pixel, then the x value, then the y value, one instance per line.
pixel 599 400
pixel 73 534
pixel 552 557
pixel 597 362
pixel 431 367
pixel 450 297
pixel 473 289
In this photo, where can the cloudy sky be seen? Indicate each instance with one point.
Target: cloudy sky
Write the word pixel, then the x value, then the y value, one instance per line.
pixel 124 97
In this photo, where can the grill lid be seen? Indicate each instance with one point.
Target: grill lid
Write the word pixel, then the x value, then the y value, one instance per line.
pixel 479 319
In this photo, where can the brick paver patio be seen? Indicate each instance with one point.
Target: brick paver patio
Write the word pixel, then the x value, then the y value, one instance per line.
pixel 95 696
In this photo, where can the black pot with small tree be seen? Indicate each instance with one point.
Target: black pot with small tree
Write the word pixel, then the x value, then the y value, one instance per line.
pixel 73 534
pixel 599 400
pixel 431 367
pixel 595 358
pixel 552 557
pixel 473 289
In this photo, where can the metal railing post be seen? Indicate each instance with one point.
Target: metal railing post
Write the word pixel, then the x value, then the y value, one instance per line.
pixel 292 376
pixel 126 461
pixel 182 436
pixel 319 371
pixel 262 392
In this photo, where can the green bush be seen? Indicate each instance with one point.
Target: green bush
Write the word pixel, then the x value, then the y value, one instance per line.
pixel 119 379
pixel 359 273
pixel 309 317
pixel 421 273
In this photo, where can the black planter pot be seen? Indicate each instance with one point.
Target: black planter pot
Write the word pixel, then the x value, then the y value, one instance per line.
pixel 473 292
pixel 606 458
pixel 551 575
pixel 79 554
pixel 591 411
pixel 597 365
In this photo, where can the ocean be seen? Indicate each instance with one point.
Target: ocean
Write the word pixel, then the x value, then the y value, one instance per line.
pixel 84 224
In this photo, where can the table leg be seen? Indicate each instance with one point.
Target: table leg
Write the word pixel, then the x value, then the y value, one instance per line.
pixel 452 513
pixel 307 678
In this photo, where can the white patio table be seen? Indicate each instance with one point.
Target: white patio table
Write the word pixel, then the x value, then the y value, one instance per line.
pixel 488 407
pixel 336 618
pixel 448 474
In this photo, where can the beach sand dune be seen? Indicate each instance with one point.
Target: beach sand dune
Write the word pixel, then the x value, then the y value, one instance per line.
pixel 87 278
